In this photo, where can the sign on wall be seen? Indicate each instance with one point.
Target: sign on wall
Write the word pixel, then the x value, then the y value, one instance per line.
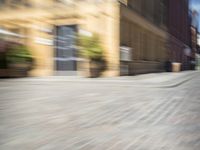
pixel 85 33
pixel 43 41
pixel 187 51
pixel 125 53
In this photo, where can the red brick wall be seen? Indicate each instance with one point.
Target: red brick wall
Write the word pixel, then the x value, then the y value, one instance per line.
pixel 179 31
pixel 178 20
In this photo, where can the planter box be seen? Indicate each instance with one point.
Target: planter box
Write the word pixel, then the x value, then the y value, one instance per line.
pixel 18 70
pixel 176 67
pixel 4 73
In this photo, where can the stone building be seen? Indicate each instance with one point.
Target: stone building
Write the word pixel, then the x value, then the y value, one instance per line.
pixel 143 27
pixel 50 27
pixel 179 32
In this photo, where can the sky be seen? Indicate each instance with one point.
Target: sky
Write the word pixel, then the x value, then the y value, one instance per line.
pixel 195 4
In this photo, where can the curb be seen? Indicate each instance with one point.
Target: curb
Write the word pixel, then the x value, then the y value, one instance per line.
pixel 173 85
pixel 131 82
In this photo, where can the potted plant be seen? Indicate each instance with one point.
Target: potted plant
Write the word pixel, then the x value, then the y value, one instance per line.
pixel 3 62
pixel 19 60
pixel 91 49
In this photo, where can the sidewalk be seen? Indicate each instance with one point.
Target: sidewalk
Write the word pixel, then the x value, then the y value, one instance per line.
pixel 166 79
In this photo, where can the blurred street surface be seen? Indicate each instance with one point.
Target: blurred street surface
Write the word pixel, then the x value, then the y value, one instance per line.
pixel 147 112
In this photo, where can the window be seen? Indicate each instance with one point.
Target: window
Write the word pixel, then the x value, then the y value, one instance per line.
pixel 15 3
pixel 2 2
pixel 148 6
pixel 160 12
pixel 163 15
pixel 135 4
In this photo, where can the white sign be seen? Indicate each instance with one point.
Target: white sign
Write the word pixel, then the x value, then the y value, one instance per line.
pixel 43 41
pixel 42 29
pixel 5 32
pixel 85 33
pixel 198 39
pixel 187 51
pixel 125 53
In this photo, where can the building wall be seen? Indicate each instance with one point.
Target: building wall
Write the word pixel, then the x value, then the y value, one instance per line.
pixel 154 11
pixel 179 30
pixel 96 17
pixel 178 20
pixel 145 37
pixel 148 27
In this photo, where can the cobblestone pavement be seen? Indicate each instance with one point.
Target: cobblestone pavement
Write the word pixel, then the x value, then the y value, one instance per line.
pixel 85 116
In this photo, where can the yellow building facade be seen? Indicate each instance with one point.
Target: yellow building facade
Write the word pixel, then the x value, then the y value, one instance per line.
pixel 37 21
pixel 50 27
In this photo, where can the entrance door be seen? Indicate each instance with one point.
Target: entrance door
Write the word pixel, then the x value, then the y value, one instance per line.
pixel 65 51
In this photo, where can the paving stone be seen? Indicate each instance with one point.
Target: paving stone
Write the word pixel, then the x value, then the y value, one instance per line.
pixel 90 116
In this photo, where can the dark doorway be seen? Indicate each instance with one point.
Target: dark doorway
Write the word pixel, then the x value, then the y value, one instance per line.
pixel 65 48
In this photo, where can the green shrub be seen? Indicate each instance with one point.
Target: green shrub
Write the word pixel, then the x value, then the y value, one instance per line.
pixel 3 64
pixel 90 47
pixel 18 54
